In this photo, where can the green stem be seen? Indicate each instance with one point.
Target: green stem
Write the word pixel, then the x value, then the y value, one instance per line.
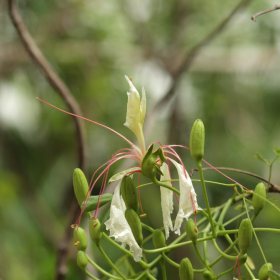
pixel 206 198
pixel 205 249
pixel 221 252
pixel 151 276
pixel 147 227
pixel 254 232
pixel 90 275
pixel 110 262
pixel 166 186
pixel 100 269
pixel 143 264
pixel 163 269
pixel 225 272
pixel 227 250
pixel 202 260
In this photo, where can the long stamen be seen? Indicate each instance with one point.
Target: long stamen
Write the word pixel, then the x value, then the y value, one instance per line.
pixel 180 146
pixel 83 118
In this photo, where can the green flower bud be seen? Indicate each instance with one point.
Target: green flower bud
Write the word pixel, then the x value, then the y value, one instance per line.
pixel 92 202
pixel 191 230
pixel 263 272
pixel 186 270
pixel 129 193
pixel 207 275
pixel 244 235
pixel 158 239
pixel 149 165
pixel 135 225
pixel 242 259
pixel 82 260
pixel 197 141
pixel 94 231
pixel 80 238
pixel 259 197
pixel 80 185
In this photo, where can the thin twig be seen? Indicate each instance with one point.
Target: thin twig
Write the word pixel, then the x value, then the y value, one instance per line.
pixel 59 86
pixel 191 55
pixel 277 7
pixel 273 187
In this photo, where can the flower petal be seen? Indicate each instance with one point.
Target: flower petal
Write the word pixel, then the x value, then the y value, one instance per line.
pixel 185 203
pixel 118 226
pixel 166 200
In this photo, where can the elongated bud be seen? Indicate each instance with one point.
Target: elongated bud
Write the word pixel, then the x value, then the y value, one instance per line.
pixel 259 197
pixel 263 273
pixel 82 260
pixel 80 185
pixel 80 238
pixel 94 231
pixel 129 193
pixel 191 230
pixel 242 259
pixel 207 275
pixel 186 270
pixel 149 166
pixel 92 202
pixel 197 141
pixel 135 225
pixel 158 239
pixel 244 236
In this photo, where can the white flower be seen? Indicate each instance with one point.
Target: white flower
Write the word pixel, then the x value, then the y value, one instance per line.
pixel 186 207
pixel 135 113
pixel 119 227
pixel 166 200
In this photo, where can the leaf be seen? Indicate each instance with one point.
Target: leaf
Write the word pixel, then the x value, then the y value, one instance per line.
pixel 120 175
pixel 93 201
pixel 276 151
pixel 273 199
pixel 261 158
pixel 273 275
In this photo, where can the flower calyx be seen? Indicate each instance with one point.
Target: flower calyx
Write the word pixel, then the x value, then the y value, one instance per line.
pixel 152 162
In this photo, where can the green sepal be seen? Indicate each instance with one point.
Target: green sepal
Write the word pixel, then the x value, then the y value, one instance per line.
pixel 92 202
pixel 191 230
pixel 81 238
pixel 129 193
pixel 135 225
pixel 259 197
pixel 82 260
pixel 94 231
pixel 197 140
pixel 80 185
pixel 273 275
pixel 158 239
pixel 149 165
pixel 263 272
pixel 186 270
pixel 244 235
pixel 105 218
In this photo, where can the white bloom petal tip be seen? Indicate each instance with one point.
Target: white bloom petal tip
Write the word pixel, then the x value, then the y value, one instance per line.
pixel 119 227
pixel 186 206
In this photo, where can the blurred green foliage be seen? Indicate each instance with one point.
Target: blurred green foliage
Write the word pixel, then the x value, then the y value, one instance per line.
pixel 233 86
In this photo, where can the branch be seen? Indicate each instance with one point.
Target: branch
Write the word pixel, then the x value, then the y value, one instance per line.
pixel 59 86
pixel 191 55
pixel 277 7
pixel 273 187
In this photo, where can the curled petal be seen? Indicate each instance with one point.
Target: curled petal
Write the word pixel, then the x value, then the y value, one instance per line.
pixel 166 201
pixel 135 113
pixel 185 203
pixel 118 226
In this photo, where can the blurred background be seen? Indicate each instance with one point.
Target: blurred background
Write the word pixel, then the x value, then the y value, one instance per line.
pixel 232 84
